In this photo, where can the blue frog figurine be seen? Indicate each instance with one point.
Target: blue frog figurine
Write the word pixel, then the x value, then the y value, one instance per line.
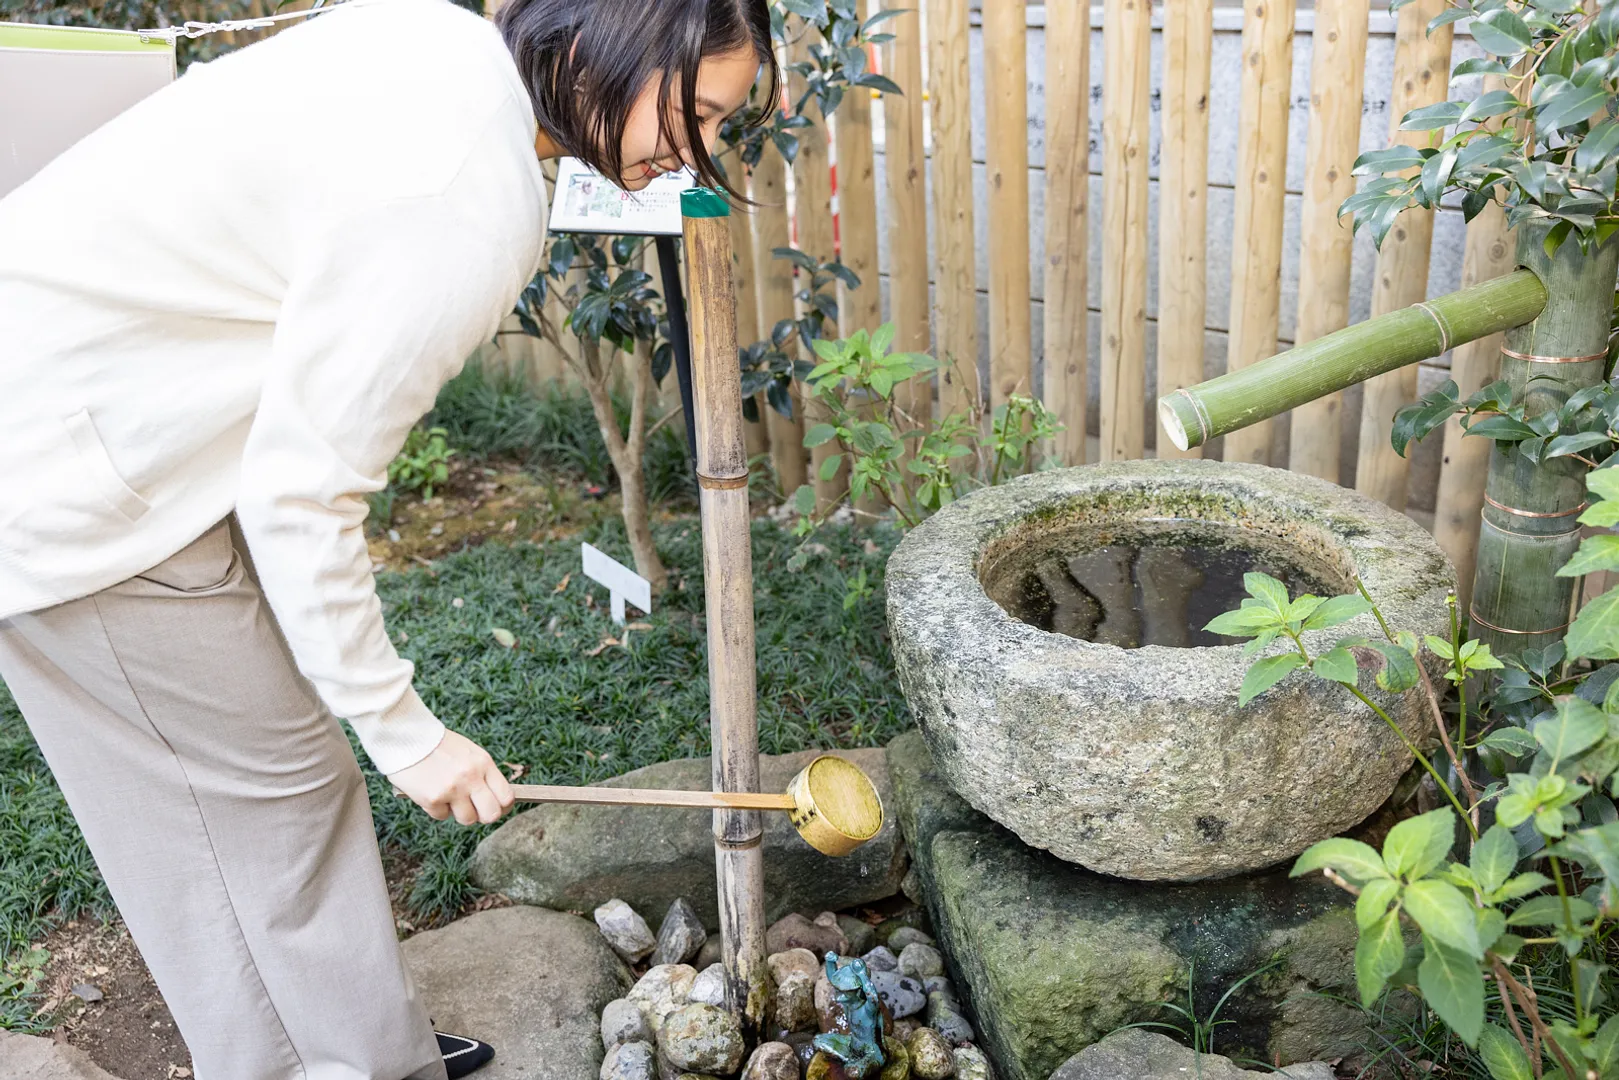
pixel 861 1049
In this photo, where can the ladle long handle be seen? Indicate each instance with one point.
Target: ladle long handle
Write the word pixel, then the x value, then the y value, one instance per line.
pixel 708 800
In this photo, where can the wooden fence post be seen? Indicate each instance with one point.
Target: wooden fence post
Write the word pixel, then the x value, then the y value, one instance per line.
pixel 1256 241
pixel 955 296
pixel 1127 45
pixel 904 157
pixel 1421 77
pixel 812 214
pixel 1006 98
pixel 775 296
pixel 1068 178
pixel 1183 180
pixel 1337 72
pixel 748 330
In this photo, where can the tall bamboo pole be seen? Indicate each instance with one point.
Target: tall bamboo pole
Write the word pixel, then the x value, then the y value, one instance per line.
pixel 775 294
pixel 1127 46
pixel 1256 288
pixel 1183 181
pixel 812 214
pixel 906 161
pixel 955 296
pixel 1326 242
pixel 722 476
pixel 1421 77
pixel 1466 462
pixel 1530 519
pixel 1006 98
pixel 1068 189
pixel 1328 364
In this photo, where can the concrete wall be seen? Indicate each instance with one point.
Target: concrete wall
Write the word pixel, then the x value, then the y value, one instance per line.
pixel 1224 101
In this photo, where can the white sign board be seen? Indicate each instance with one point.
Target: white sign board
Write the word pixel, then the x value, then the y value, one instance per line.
pixel 587 202
pixel 622 582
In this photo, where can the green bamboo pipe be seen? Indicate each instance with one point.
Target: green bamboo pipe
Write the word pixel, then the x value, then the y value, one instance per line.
pixel 1196 414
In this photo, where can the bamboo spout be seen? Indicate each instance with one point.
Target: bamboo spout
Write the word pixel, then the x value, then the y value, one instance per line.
pixel 1196 414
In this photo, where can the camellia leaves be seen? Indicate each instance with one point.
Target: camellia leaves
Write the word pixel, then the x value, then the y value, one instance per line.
pixel 1378 954
pixel 1453 987
pixel 1244 622
pixel 1501 32
pixel 1265 674
pixel 1512 740
pixel 1444 914
pixel 1353 859
pixel 1266 589
pixel 1595 631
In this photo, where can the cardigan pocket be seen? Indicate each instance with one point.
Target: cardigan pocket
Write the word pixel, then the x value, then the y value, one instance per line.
pixel 98 466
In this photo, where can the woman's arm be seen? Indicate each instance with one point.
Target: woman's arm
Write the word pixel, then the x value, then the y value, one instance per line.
pixel 388 304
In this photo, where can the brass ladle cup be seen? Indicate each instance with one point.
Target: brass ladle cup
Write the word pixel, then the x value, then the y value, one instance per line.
pixel 831 803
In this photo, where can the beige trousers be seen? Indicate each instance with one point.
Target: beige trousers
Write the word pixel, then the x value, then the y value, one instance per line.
pixel 228 815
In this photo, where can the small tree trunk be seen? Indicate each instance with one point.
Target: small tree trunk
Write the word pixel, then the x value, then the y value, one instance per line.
pixel 627 452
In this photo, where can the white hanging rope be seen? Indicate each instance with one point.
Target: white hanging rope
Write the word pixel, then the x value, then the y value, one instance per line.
pixel 171 34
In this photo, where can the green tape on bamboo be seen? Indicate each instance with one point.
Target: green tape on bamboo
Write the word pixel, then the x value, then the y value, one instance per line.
pixel 701 202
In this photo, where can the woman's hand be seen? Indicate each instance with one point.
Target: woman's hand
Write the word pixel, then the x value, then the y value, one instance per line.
pixel 458 777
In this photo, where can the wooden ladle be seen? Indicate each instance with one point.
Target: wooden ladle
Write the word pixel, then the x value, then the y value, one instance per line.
pixel 833 805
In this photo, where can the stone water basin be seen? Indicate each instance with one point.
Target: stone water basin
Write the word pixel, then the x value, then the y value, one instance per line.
pixel 1127 753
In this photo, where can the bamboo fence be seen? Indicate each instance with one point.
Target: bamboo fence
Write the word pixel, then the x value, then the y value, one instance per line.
pixel 1031 139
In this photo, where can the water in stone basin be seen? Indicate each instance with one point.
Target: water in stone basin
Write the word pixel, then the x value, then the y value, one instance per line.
pixel 1144 583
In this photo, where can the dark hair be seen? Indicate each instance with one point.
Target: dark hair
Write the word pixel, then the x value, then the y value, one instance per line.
pixel 586 61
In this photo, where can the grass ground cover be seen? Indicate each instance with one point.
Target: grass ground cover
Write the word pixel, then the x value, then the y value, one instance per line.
pixel 574 700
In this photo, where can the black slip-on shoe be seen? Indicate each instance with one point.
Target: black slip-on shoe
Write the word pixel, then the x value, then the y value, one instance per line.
pixel 462 1055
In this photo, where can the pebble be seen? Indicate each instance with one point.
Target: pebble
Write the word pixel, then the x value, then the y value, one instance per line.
pixel 941 985
pixel 709 986
pixel 801 961
pixel 881 959
pixel 631 1061
pixel 903 996
pixel 702 1038
pixel 625 931
pixel 772 1061
pixel 899 1061
pixel 681 936
pixel 661 991
pixel 902 1029
pixel 88 992
pixel 911 886
pixel 797 932
pixel 825 1067
pixel 803 1044
pixel 860 935
pixel 907 935
pixel 622 1022
pixel 795 1002
pixel 920 961
pixel 971 1064
pixel 944 1016
pixel 712 952
pixel 931 1058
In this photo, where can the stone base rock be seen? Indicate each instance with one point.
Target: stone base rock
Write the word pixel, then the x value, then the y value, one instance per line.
pixel 530 982
pixel 29 1057
pixel 1052 957
pixel 573 858
pixel 1149 1055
